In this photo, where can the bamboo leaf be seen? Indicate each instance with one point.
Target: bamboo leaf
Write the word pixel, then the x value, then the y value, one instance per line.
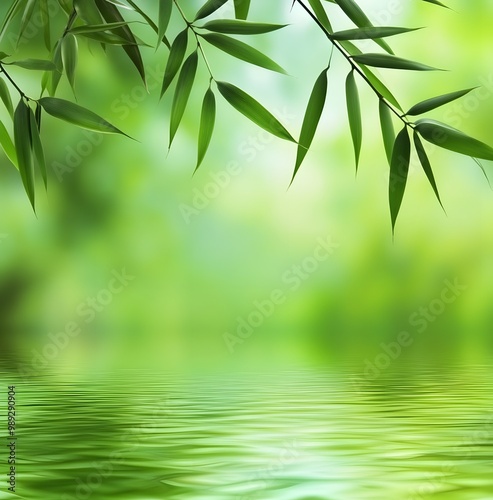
pixel 16 7
pixel 208 8
pixel 69 57
pixel 37 147
pixel 387 127
pixel 176 55
pixel 320 14
pixel 182 93
pixel 452 139
pixel 435 102
pixel 399 169
pixel 392 62
pixel 354 114
pixel 5 96
pixel 88 11
pixel 370 32
pixel 253 110
pixel 165 8
pixel 26 17
pixel 425 163
pixel 55 76
pixel 311 120
pixel 436 2
pixel 77 115
pixel 242 51
pixel 96 28
pixel 45 19
pixel 22 140
pixel 207 120
pixel 241 8
pixel 236 27
pixel 8 145
pixel 35 64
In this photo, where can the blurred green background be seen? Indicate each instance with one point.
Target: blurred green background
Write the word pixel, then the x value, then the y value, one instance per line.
pixel 203 249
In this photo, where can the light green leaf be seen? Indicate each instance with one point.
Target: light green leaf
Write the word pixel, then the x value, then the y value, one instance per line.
pixel 452 139
pixel 435 102
pixel 37 147
pixel 182 93
pixel 253 110
pixel 69 57
pixel 311 120
pixel 36 64
pixel 242 51
pixel 176 55
pixel 45 18
pixel 425 163
pixel 165 8
pixel 5 96
pixel 320 14
pixel 8 145
pixel 390 61
pixel 387 127
pixel 16 7
pixel 77 115
pixel 208 8
pixel 26 17
pixel 96 28
pixel 22 140
pixel 354 114
pixel 149 21
pixel 55 76
pixel 207 120
pixel 370 32
pixel 87 10
pixel 241 8
pixel 399 169
pixel 236 27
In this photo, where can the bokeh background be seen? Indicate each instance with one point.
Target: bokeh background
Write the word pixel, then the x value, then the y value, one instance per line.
pixel 202 249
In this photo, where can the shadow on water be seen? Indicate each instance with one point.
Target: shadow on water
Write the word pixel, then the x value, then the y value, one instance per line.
pixel 299 435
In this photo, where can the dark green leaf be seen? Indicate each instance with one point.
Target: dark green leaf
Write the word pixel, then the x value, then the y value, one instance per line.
pixel 5 96
pixel 241 8
pixel 45 18
pixel 8 145
pixel 370 33
pixel 176 55
pixel 236 27
pixel 387 127
pixel 87 10
pixel 253 110
pixel 436 2
pixel 54 77
pixel 320 14
pixel 69 57
pixel 399 169
pixel 22 140
pixel 36 64
pixel 313 113
pixel 96 28
pixel 16 7
pixel 452 139
pixel 425 163
pixel 165 8
pixel 390 61
pixel 208 8
pixel 242 51
pixel 73 113
pixel 26 17
pixel 207 119
pixel 435 102
pixel 37 147
pixel 182 93
pixel 354 114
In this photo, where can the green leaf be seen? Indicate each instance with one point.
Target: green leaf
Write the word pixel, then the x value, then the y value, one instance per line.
pixel 242 51
pixel 26 17
pixel 354 12
pixel 16 7
pixel 165 8
pixel 399 169
pixel 208 8
pixel 435 102
pixel 5 96
pixel 387 127
pixel 55 76
pixel 87 10
pixel 182 93
pixel 452 139
pixel 436 2
pixel 96 28
pixel 176 55
pixel 77 115
pixel 236 27
pixel 354 114
pixel 425 163
pixel 104 37
pixel 370 32
pixel 22 140
pixel 390 61
pixel 320 14
pixel 37 147
pixel 241 8
pixel 207 120
pixel 8 145
pixel 69 57
pixel 45 19
pixel 253 110
pixel 112 15
pixel 149 21
pixel 36 64
pixel 311 120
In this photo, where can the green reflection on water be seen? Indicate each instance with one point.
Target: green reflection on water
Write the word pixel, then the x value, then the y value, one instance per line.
pixel 300 435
